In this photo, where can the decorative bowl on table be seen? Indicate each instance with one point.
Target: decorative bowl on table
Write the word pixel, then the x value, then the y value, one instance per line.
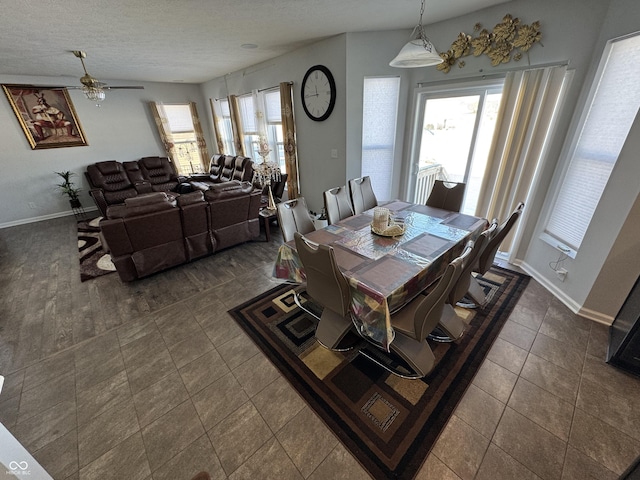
pixel 384 225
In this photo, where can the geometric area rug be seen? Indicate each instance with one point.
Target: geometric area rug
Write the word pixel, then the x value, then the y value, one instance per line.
pixel 388 423
pixel 94 261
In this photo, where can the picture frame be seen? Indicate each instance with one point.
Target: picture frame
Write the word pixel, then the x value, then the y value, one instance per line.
pixel 46 115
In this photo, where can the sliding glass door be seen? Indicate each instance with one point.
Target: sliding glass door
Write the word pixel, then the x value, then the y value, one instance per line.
pixel 452 138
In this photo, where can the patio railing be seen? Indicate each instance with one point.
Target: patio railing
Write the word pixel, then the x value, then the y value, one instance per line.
pixel 427 175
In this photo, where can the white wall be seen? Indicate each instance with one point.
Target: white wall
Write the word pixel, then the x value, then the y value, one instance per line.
pixel 621 267
pixel 121 129
pixel 616 229
pixel 368 55
pixel 611 215
pixel 317 170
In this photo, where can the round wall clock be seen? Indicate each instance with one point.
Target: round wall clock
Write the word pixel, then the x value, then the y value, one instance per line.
pixel 318 93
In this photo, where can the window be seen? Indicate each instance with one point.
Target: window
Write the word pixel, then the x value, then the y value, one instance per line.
pixel 249 126
pixel 224 125
pixel 610 111
pixel 187 159
pixel 455 129
pixel 379 113
pixel 273 118
pixel 261 115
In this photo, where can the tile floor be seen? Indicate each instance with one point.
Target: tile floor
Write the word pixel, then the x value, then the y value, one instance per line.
pixel 179 388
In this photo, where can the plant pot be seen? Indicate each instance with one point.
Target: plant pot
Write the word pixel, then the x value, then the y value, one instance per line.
pixel 75 203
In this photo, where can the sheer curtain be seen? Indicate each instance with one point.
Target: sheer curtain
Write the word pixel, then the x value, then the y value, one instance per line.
pixel 289 133
pixel 216 127
pixel 236 125
pixel 528 109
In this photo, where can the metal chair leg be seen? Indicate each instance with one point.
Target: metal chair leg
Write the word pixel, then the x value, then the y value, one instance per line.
pixel 337 332
pixel 415 376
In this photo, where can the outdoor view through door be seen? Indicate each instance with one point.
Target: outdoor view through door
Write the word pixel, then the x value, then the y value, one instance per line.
pixel 454 133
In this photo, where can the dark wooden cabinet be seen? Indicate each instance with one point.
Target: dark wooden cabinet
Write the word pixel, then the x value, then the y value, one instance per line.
pixel 624 334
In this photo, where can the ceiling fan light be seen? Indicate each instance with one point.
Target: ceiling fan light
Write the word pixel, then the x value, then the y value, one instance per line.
pixel 95 94
pixel 418 52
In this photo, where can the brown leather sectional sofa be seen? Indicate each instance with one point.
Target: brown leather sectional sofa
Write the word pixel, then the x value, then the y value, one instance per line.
pixel 223 168
pixel 111 182
pixel 151 232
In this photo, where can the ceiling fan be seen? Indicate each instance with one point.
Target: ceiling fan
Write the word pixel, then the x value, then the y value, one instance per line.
pixel 91 86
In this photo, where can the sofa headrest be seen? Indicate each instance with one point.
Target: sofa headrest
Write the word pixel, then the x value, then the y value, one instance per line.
pixel 240 162
pixel 108 175
pixel 153 162
pixel 142 204
pixel 109 167
pixel 148 199
pixel 216 163
pixel 230 189
pixel 131 166
pixel 190 198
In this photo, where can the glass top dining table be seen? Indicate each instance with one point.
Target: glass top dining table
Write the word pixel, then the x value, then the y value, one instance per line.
pixel 385 273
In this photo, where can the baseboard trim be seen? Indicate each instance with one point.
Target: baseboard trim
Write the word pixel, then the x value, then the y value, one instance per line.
pixel 559 294
pixel 596 316
pixel 42 218
pixel 564 298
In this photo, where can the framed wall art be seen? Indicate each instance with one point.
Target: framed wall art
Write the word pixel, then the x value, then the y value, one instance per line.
pixel 46 115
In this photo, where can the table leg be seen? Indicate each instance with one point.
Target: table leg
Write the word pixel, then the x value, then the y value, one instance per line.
pixel 267 228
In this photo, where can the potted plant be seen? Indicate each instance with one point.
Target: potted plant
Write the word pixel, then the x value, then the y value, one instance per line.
pixel 68 188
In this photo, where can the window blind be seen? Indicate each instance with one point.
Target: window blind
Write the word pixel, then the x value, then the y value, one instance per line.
pixel 248 114
pixel 179 117
pixel 613 107
pixel 379 113
pixel 272 106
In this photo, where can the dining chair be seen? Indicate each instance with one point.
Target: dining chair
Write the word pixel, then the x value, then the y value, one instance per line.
pixel 293 216
pixel 327 286
pixel 446 195
pixel 488 254
pixel 460 289
pixel 337 204
pixel 362 196
pixel 416 320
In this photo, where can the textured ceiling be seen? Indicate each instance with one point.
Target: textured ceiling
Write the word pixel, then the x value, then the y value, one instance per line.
pixel 187 40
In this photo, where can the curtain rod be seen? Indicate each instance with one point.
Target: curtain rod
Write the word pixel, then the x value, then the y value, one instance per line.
pixel 259 90
pixel 481 75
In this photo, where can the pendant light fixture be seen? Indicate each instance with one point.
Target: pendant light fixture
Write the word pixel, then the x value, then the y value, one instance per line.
pixel 419 52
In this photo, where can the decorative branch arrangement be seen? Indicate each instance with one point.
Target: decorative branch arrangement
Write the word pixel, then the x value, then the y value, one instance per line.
pixel 509 39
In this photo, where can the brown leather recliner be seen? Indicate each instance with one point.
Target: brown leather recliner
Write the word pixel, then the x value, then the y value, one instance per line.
pixel 234 209
pixel 194 211
pixel 109 184
pixel 155 231
pixel 134 173
pixel 159 172
pixel 112 182
pixel 236 168
pixel 228 168
pixel 215 165
pixel 144 235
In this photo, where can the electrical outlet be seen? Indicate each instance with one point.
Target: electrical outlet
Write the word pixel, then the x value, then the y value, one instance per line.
pixel 562 274
pixel 32 205
pixel 334 153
